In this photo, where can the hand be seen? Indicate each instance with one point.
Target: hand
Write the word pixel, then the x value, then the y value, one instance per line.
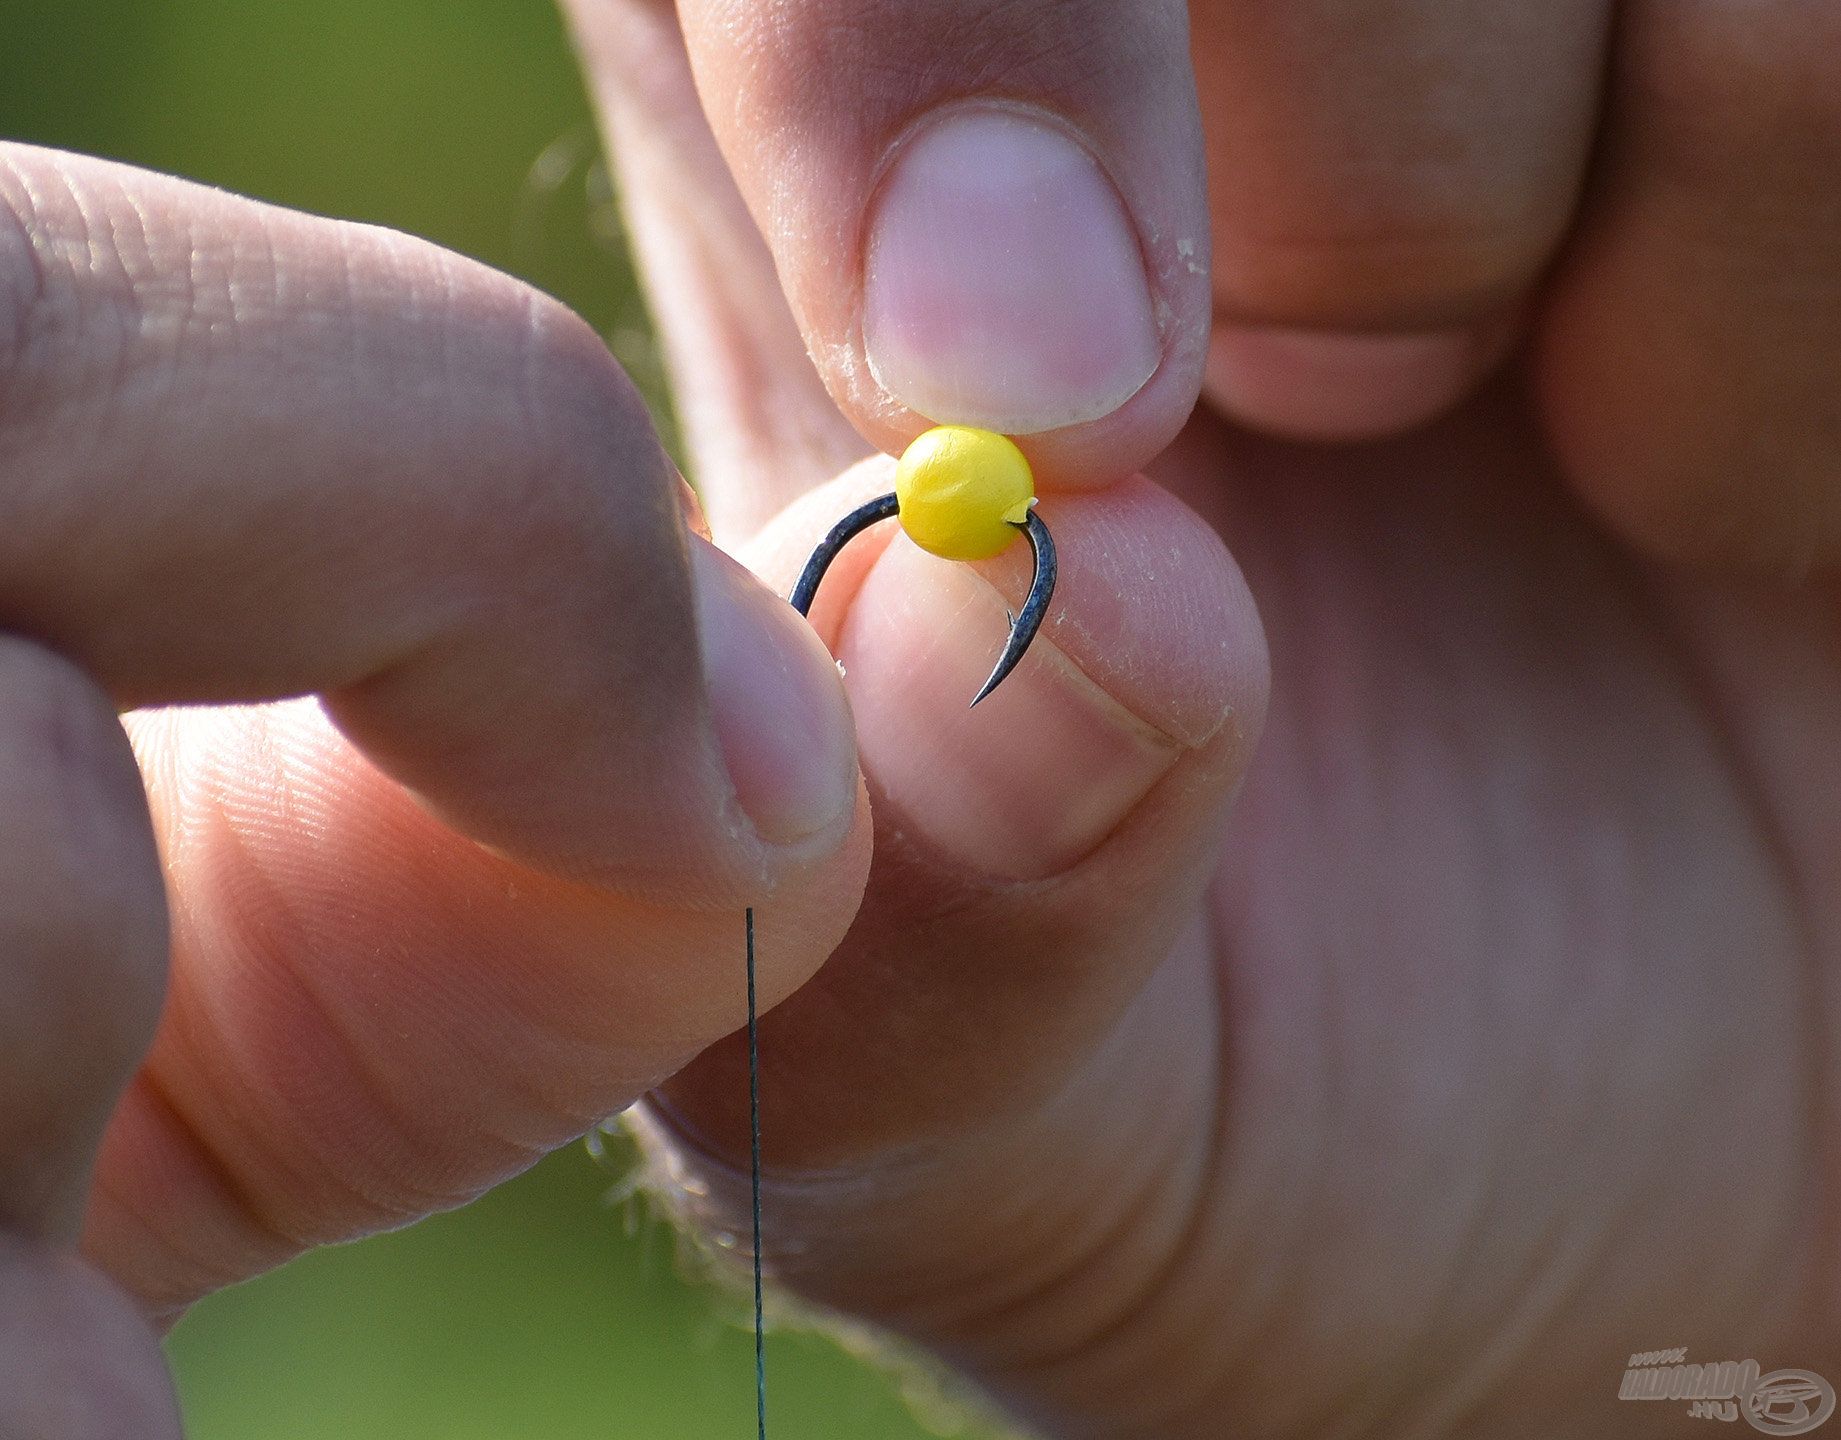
pixel 1640 196
pixel 1493 1042
pixel 485 890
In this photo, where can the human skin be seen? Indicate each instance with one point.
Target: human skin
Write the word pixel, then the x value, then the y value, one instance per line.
pixel 1369 971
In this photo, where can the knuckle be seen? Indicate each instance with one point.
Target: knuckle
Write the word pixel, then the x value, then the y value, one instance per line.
pixel 74 309
pixel 1782 530
pixel 537 433
pixel 1708 89
pixel 594 472
pixel 1397 264
pixel 24 282
pixel 852 59
pixel 81 899
pixel 582 402
pixel 1710 494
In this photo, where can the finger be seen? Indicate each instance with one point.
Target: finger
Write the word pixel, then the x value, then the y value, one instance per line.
pixel 252 454
pixel 1387 182
pixel 1015 982
pixel 1687 358
pixel 980 212
pixel 249 454
pixel 372 1018
pixel 759 426
pixel 82 935
pixel 82 968
pixel 76 1362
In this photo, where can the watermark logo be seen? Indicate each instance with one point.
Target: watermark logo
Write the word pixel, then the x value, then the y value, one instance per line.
pixel 1783 1402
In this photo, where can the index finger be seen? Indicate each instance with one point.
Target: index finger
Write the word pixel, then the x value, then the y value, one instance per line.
pixel 249 454
pixel 245 455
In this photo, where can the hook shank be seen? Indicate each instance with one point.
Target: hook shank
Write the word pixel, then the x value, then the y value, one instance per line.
pixel 829 548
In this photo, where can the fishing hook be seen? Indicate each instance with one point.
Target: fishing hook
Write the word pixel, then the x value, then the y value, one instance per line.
pixel 964 494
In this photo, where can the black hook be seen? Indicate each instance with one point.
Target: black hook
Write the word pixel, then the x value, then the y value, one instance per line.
pixel 883 507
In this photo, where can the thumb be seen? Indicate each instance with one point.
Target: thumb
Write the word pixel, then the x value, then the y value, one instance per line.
pixel 981 211
pixel 1012 1045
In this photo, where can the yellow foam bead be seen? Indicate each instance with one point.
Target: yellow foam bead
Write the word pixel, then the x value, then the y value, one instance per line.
pixel 962 491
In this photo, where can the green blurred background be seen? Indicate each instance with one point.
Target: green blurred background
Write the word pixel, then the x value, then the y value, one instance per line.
pixel 546 1310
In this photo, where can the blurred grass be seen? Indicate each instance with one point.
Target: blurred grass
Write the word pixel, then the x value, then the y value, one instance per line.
pixel 539 1311
pixel 536 1312
pixel 429 117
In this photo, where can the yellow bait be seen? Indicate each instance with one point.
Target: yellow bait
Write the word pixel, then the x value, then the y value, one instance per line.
pixel 962 492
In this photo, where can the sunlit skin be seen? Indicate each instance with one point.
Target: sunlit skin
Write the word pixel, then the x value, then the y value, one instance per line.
pixel 1370 970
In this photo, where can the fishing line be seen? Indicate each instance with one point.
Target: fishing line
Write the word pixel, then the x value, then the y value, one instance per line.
pixel 754 1186
pixel 963 494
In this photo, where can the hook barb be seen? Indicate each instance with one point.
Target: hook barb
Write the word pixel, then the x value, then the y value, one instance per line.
pixel 1035 609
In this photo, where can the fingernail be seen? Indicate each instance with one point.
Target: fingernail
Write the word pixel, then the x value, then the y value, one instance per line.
pixel 1004 284
pixel 1024 786
pixel 775 700
pixel 1324 385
